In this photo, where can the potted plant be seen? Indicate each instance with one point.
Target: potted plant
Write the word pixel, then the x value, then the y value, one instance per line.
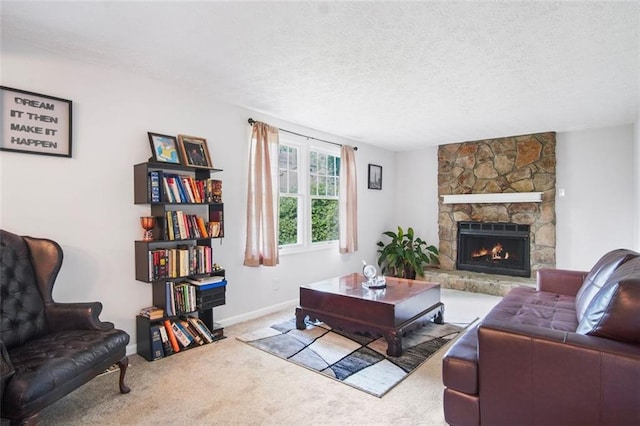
pixel 405 255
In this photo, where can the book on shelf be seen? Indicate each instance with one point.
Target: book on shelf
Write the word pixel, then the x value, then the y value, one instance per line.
pixel 152 312
pixel 170 234
pixel 203 280
pixel 202 328
pixel 214 229
pixel 202 227
pixel 156 342
pixel 172 336
pixel 154 186
pixel 195 335
pixel 170 298
pixel 207 283
pixel 167 191
pixel 166 344
pixel 182 338
pixel 216 190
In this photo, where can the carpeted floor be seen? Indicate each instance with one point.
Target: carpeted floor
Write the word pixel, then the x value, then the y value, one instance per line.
pixel 353 359
pixel 230 383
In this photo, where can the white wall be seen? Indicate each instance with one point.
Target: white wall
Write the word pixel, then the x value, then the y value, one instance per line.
pixel 598 213
pixel 417 193
pixel 86 203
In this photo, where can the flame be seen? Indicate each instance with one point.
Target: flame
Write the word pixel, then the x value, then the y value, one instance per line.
pixel 496 252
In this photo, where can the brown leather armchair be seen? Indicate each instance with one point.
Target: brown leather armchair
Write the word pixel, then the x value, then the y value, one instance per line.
pixel 48 349
pixel 566 353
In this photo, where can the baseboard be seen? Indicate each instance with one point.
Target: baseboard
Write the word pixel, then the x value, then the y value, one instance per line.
pixel 259 313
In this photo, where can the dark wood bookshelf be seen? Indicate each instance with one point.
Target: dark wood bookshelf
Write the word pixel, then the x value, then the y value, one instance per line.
pixel 213 212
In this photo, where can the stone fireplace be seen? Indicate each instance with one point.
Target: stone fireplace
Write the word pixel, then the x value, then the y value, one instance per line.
pixel 503 166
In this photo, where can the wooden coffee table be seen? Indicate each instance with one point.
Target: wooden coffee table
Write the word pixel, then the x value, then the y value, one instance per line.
pixel 344 303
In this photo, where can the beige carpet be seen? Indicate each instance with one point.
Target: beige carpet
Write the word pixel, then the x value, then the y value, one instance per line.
pixel 229 382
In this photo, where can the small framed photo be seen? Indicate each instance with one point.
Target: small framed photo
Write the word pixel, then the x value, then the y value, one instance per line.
pixel 375 176
pixel 33 123
pixel 194 151
pixel 164 148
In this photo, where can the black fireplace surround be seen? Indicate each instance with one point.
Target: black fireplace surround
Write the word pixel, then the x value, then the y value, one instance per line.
pixel 494 248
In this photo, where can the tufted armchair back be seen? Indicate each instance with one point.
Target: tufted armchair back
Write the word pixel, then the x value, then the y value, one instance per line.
pixel 22 306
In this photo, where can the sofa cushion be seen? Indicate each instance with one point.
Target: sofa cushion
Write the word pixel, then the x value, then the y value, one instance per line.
pixel 613 311
pixel 598 276
pixel 525 305
pixel 460 363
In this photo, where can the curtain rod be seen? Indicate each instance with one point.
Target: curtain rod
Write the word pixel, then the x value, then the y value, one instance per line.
pixel 251 121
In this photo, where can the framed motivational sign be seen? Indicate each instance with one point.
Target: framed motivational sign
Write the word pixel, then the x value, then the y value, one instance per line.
pixel 34 123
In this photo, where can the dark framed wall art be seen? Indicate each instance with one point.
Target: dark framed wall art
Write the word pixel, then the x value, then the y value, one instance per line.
pixel 33 123
pixel 194 151
pixel 375 176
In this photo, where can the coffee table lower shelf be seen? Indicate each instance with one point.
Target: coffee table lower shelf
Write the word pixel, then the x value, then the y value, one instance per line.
pixel 393 335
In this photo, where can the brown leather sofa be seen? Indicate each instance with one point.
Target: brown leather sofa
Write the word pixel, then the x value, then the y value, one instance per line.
pixel 566 353
pixel 47 349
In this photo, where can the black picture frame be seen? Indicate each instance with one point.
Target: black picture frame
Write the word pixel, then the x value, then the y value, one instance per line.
pixel 195 151
pixel 164 148
pixel 375 177
pixel 33 123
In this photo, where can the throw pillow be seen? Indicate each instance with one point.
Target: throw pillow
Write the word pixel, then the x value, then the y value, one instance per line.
pixel 613 312
pixel 598 276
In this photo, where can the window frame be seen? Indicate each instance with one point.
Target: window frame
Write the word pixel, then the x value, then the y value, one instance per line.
pixel 305 147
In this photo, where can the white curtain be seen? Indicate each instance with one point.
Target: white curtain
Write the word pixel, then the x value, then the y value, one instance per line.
pixel 348 207
pixel 261 246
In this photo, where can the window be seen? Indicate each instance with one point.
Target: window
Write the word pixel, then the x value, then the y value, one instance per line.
pixel 309 177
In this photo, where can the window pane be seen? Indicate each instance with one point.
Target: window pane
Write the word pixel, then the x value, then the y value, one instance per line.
pixel 331 186
pixel 337 166
pixel 283 156
pixel 293 158
pixel 288 221
pixel 313 162
pixel 322 164
pixel 331 160
pixel 322 185
pixel 313 185
pixel 283 180
pixel 324 220
pixel 293 182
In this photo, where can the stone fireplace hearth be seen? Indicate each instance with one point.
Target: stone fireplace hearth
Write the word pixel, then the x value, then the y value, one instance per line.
pixel 524 163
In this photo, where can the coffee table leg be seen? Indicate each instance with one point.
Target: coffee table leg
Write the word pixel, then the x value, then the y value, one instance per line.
pixel 394 345
pixel 300 316
pixel 439 318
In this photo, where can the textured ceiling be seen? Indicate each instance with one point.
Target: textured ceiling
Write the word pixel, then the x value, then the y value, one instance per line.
pixel 399 75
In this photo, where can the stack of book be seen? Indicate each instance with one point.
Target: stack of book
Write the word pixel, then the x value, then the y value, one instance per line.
pixel 152 312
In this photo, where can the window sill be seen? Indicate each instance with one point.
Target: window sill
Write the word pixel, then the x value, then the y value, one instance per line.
pixel 288 250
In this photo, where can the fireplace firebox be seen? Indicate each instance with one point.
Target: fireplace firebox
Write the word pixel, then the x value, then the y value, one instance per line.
pixel 494 248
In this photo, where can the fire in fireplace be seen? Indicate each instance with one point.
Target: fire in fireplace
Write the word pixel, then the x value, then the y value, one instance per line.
pixel 494 248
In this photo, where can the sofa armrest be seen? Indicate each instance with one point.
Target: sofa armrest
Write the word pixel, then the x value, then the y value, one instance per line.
pixel 560 281
pixel 555 377
pixel 76 316
pixel 6 368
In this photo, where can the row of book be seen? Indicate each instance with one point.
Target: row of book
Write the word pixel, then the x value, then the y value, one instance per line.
pixel 180 261
pixel 176 188
pixel 172 336
pixel 186 296
pixel 182 226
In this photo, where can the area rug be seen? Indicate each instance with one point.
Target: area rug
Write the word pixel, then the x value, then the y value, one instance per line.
pixel 353 359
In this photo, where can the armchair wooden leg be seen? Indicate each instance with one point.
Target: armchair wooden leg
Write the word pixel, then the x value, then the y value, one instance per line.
pixel 123 364
pixel 28 421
